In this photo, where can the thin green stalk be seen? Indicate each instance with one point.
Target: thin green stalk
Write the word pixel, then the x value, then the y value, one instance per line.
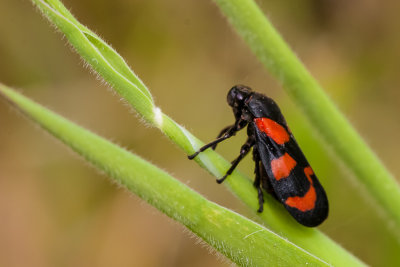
pixel 113 69
pixel 241 240
pixel 266 43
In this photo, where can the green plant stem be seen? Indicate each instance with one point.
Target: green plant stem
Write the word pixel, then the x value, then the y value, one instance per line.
pixel 113 69
pixel 241 240
pixel 277 57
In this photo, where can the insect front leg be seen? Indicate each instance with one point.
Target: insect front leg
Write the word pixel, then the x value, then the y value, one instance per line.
pixel 243 152
pixel 223 131
pixel 226 133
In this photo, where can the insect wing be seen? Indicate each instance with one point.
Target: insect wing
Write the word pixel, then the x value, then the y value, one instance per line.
pixel 291 177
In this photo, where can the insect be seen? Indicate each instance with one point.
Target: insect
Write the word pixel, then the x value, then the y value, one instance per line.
pixel 281 168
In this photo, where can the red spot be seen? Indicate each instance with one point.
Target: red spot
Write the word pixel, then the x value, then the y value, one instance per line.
pixel 273 129
pixel 281 167
pixel 306 202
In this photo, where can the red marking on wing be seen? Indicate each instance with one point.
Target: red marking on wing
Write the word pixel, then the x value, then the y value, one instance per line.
pixel 306 202
pixel 273 129
pixel 281 167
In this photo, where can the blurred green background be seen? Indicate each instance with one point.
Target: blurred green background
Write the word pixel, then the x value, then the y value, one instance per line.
pixel 55 210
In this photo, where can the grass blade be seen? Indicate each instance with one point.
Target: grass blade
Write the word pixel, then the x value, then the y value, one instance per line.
pixel 241 240
pixel 274 214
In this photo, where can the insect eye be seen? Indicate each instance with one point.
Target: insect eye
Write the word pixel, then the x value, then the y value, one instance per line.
pixel 231 97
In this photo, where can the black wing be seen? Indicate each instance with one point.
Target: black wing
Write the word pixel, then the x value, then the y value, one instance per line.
pixel 291 177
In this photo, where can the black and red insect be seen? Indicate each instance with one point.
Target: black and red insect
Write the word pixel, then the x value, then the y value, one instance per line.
pixel 281 168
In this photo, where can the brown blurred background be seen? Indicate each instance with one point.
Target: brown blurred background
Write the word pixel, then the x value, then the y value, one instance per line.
pixel 55 210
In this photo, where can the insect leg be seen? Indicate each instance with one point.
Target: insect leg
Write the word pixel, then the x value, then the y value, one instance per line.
pixel 257 181
pixel 223 131
pixel 243 152
pixel 266 183
pixel 213 143
pixel 227 132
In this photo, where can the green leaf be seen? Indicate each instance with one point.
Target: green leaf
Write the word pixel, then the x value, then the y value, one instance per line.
pixel 241 240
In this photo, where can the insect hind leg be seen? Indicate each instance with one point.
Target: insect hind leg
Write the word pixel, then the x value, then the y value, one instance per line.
pixel 257 181
pixel 266 183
